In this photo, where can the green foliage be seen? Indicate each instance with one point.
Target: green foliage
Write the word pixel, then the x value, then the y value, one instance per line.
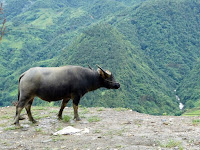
pixel 192 112
pixel 66 118
pixel 94 119
pixel 2 22
pixel 152 48
pixel 95 45
pixel 172 143
pixel 11 128
pixel 196 122
pixel 120 109
pixel 189 89
pixel 38 129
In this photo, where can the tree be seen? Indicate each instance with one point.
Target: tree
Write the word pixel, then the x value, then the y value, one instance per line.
pixel 2 30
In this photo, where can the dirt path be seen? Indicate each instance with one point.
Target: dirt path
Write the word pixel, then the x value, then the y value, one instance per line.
pixel 110 129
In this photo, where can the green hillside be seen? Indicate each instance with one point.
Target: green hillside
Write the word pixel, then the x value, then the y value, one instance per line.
pixel 141 89
pixel 189 88
pixel 192 112
pixel 168 33
pixel 151 46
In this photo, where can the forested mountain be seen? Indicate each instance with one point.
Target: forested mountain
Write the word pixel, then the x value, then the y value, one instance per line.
pixel 189 88
pixel 151 46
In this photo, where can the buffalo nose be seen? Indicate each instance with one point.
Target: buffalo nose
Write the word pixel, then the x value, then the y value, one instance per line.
pixel 117 85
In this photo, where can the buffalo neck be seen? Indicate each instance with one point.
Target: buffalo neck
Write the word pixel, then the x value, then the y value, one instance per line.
pixel 94 81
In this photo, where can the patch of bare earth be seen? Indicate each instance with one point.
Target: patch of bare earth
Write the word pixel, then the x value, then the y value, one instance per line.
pixel 110 129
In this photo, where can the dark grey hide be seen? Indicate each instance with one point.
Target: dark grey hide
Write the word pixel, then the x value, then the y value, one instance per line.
pixel 60 83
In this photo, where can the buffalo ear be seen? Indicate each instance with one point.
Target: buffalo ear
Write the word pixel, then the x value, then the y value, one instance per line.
pixel 108 73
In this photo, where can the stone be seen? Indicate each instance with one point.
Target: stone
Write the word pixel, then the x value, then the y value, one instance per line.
pixel 71 130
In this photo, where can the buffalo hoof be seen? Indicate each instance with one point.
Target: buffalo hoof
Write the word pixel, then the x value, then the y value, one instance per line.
pixel 77 119
pixel 17 125
pixel 34 121
pixel 21 117
pixel 60 118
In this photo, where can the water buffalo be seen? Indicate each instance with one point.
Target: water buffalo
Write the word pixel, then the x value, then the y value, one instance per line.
pixel 60 83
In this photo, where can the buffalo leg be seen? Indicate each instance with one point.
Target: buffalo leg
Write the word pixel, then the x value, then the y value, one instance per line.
pixel 62 107
pixel 19 107
pixel 28 110
pixel 18 111
pixel 75 106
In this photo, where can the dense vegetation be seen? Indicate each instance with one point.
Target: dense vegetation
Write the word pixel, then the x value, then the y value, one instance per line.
pixel 151 46
pixel 2 22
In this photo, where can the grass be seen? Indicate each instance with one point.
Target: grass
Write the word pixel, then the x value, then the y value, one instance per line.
pixel 119 146
pixel 138 122
pixel 118 132
pixel 39 108
pixel 196 122
pixel 66 118
pixel 38 129
pixel 100 109
pixel 6 117
pixel 97 131
pixel 59 138
pixel 84 110
pixel 192 112
pixel 171 143
pixel 120 109
pixel 3 125
pixel 109 133
pixel 165 114
pixel 54 111
pixel 93 119
pixel 4 142
pixel 59 128
pixel 39 116
pixel 11 128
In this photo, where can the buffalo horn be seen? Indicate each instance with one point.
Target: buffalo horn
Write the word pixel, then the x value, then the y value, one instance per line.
pixel 107 73
pixel 90 67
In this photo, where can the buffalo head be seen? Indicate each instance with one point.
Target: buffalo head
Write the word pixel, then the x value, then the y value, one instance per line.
pixel 107 79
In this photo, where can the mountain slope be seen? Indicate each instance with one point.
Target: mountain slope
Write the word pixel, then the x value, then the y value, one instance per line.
pixel 189 88
pixel 150 46
pixel 141 89
pixel 167 32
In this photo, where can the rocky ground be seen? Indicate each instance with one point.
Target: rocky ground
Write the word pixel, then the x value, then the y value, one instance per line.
pixel 110 129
